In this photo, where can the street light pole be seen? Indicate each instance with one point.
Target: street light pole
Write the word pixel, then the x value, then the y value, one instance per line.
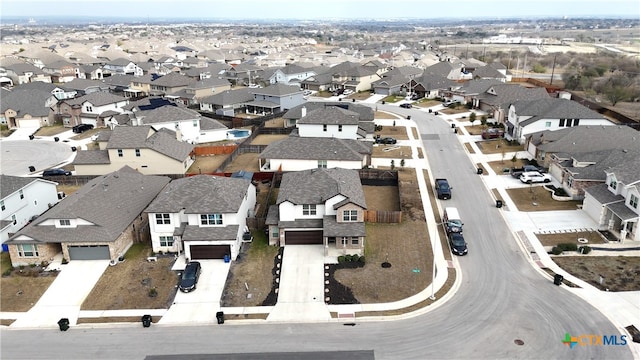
pixel 433 271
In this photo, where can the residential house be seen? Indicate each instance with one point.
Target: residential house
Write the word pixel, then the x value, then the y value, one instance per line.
pixel 147 150
pixel 101 220
pixel 614 204
pixel 90 72
pixel 170 84
pixel 242 74
pixel 23 73
pixel 332 119
pixel 203 216
pixel 291 74
pixel 21 200
pixel 61 71
pixel 189 124
pixel 122 66
pixel 322 81
pixel 192 94
pixel 528 116
pixel 86 86
pixel 140 86
pixel 319 206
pixel 395 81
pixel 119 83
pixel 560 145
pixel 353 76
pixel 274 99
pixel 453 70
pixel 93 109
pixel 302 153
pixel 430 85
pixel 60 92
pixel 227 102
pixel 496 98
pixel 28 108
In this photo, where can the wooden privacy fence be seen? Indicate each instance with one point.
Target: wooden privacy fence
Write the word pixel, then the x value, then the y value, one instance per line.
pixel 385 216
pixel 214 150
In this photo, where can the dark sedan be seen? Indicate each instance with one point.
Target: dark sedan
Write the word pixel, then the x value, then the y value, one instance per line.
pixel 457 243
pixel 386 140
pixel 190 277
pixel 406 106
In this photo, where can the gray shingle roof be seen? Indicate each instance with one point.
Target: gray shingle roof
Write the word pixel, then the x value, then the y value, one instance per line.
pixel 166 114
pixel 210 233
pixel 366 113
pixel 31 102
pixel 626 166
pixel 308 148
pixel 163 141
pixel 316 186
pixel 552 108
pixel 201 194
pixel 98 98
pixel 211 124
pixel 110 203
pixel 173 80
pixel 331 115
pixel 277 90
pixel 229 97
pixel 602 194
pixel 586 138
pixel 505 94
pixel 92 157
pixel 331 228
pixel 10 184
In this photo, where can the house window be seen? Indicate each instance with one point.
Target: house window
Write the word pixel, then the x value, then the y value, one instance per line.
pixel 339 127
pixel 355 240
pixel 211 219
pixel 633 201
pixel 547 124
pixel 13 219
pixel 275 233
pixel 21 194
pixel 137 152
pixel 613 184
pixel 324 127
pixel 89 108
pixel 345 240
pixel 309 209
pixel 2 207
pixel 177 125
pixel 163 219
pixel 561 123
pixel 64 222
pixel 195 123
pixel 350 215
pixel 570 181
pixel 27 250
pixel 322 164
pixel 120 153
pixel 166 240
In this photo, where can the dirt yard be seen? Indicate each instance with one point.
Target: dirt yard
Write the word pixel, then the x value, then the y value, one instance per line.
pixel 384 115
pixel 618 273
pixel 536 198
pixel 391 152
pixel 593 237
pixel 500 166
pixel 22 287
pixel 398 132
pixel 497 146
pixel 129 284
pixel 246 162
pixel 266 139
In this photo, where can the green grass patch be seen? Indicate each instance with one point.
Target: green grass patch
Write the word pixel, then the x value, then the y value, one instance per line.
pixel 5 262
pixel 392 99
pixel 136 251
pixel 260 245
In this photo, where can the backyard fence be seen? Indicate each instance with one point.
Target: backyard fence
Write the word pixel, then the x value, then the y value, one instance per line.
pixel 383 216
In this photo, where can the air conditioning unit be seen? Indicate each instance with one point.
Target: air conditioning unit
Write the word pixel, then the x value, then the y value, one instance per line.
pixel 61 195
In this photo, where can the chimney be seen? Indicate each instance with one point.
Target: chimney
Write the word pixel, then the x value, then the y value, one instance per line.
pixel 304 111
pixel 178 135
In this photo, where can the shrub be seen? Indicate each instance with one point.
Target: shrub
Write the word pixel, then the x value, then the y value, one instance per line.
pixel 556 250
pixel 65 261
pixel 32 265
pixel 355 258
pixel 341 259
pixel 153 292
pixel 347 258
pixel 584 249
pixel 7 272
pixel 560 192
pixel 568 247
pixel 361 260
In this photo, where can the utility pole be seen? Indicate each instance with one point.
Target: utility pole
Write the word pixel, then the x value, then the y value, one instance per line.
pixel 553 68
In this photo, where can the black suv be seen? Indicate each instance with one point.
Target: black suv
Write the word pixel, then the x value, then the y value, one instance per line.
pixel 56 172
pixel 386 140
pixel 190 277
pixel 82 128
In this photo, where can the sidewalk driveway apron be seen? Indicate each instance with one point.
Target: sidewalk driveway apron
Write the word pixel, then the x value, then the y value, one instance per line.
pixel 200 305
pixel 65 295
pixel 301 291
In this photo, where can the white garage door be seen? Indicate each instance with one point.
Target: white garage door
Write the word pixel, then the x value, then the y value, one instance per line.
pixel 28 123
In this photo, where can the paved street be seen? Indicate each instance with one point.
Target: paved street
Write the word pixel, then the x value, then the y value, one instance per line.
pixel 18 155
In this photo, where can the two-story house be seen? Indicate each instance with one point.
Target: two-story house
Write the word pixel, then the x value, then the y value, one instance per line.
pixel 528 116
pixel 99 221
pixel 227 102
pixel 61 71
pixel 91 109
pixel 291 74
pixel 21 200
pixel 319 206
pixel 122 66
pixel 335 121
pixel 28 108
pixel 614 205
pixel 147 150
pixel 274 99
pixel 192 94
pixel 203 216
pixel 354 77
pixel 23 73
pixel 170 84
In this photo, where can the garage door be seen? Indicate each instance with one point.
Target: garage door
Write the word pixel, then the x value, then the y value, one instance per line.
pixel 203 252
pixel 303 237
pixel 29 123
pixel 95 252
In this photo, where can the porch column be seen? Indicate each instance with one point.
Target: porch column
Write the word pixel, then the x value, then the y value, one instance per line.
pixel 623 231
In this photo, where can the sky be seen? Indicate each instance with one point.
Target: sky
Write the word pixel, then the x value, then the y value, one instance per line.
pixel 320 9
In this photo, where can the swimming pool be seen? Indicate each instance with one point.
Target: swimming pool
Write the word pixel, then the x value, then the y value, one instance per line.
pixel 237 133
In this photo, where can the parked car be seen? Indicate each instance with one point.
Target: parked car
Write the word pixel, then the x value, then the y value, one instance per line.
pixel 451 219
pixel 492 133
pixel 347 92
pixel 406 106
pixel 534 177
pixel 81 128
pixel 386 140
pixel 443 189
pixel 190 277
pixel 56 172
pixel 516 172
pixel 338 92
pixel 457 244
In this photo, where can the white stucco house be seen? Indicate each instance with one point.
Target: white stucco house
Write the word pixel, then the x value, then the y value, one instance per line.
pixel 21 200
pixel 202 216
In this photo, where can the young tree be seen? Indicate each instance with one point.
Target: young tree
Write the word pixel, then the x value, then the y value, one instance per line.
pixel 483 121
pixel 393 164
pixel 402 164
pixel 472 118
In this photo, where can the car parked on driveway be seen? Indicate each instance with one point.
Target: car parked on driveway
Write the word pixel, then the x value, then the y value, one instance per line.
pixel 190 276
pixel 517 172
pixel 56 172
pixel 457 244
pixel 406 106
pixel 386 140
pixel 81 128
pixel 534 177
pixel 492 133
pixel 347 92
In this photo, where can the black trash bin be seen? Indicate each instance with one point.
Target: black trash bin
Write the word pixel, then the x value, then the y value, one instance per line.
pixel 453 126
pixel 56 139
pixel 479 171
pixel 455 130
pixel 73 148
pixel 383 102
pixel 32 168
pixel 498 203
pixel 220 317
pixel 353 100
pixel 408 117
pixel 31 137
pixel 63 324
pixel 430 111
pixel 146 320
pixel 557 279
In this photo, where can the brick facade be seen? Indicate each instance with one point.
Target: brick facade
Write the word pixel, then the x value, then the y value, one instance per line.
pixel 46 252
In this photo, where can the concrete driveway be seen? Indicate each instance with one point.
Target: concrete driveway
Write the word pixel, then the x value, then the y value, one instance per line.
pixel 200 305
pixel 301 291
pixel 65 295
